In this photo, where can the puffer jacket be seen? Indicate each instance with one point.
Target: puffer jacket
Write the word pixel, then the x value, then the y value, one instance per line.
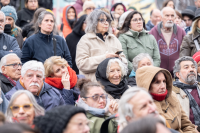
pixel 170 107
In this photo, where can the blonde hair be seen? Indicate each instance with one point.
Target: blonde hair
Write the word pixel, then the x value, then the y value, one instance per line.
pixel 54 60
pixel 194 26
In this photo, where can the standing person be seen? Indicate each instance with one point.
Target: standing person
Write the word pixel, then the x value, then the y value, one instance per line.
pixel 4 3
pixel 188 16
pixel 44 43
pixel 88 7
pixel 73 38
pixel 169 37
pixel 155 18
pixel 97 44
pixel 135 39
pixel 11 18
pixel 169 3
pixel 69 20
pixel 25 15
pixel 179 20
pixel 79 6
pixel 197 3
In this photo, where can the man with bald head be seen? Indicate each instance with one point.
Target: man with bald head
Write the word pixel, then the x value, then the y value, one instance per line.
pixel 155 18
pixel 169 37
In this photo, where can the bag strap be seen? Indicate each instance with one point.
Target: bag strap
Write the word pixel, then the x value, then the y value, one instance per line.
pixel 104 126
pixel 61 28
pixel 54 45
pixel 197 44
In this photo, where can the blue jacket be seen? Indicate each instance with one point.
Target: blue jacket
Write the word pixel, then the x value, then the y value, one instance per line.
pixel 40 47
pixel 48 98
pixel 149 25
pixel 4 104
pixel 8 43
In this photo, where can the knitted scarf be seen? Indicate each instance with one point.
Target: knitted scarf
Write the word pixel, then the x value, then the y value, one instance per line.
pixel 14 32
pixel 193 104
pixel 159 97
pixel 57 83
pixel 11 81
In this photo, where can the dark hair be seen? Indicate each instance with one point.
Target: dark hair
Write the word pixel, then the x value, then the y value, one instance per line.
pixel 179 14
pixel 85 84
pixel 125 26
pixel 117 5
pixel 166 2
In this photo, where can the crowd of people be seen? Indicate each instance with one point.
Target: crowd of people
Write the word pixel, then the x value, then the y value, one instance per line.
pixel 99 71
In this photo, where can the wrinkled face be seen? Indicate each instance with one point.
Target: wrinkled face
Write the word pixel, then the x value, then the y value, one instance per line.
pixel 59 70
pixel 23 114
pixel 198 70
pixel 136 23
pixel 33 81
pixel 119 9
pixel 159 85
pixel 94 91
pixel 103 25
pixel 144 62
pixel 10 20
pixel 156 17
pixel 78 124
pixel 188 72
pixel 143 106
pixel 2 23
pixel 32 4
pixel 160 128
pixel 5 2
pixel 89 10
pixel 47 24
pixel 168 18
pixel 115 74
pixel 11 71
pixel 71 14
pixel 170 4
pixel 177 20
pixel 187 21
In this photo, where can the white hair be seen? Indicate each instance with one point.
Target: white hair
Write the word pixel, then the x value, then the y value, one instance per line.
pixel 37 108
pixel 3 16
pixel 122 66
pixel 166 8
pixel 4 60
pixel 32 65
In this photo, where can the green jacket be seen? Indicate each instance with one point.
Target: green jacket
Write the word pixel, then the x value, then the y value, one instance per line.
pixel 134 43
pixel 96 122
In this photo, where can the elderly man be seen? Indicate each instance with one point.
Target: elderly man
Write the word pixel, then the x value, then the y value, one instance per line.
pixel 8 44
pixel 187 88
pixel 155 18
pixel 169 37
pixel 32 79
pixel 10 71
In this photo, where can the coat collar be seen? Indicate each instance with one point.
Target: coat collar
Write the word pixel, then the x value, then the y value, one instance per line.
pixel 195 35
pixel 135 33
pixel 93 35
pixel 44 35
pixel 4 79
pixel 159 26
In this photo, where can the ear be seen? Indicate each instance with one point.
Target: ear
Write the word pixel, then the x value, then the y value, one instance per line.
pixel 178 75
pixel 3 69
pixel 21 79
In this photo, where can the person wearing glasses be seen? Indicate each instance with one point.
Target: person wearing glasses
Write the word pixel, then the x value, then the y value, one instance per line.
pixel 23 108
pixel 98 106
pixel 10 72
pixel 135 39
pixel 25 15
pixel 97 44
pixel 88 7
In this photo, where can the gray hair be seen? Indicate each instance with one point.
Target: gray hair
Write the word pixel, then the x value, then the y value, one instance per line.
pixel 37 108
pixel 40 19
pixel 125 109
pixel 177 66
pixel 122 66
pixel 92 21
pixel 3 16
pixel 165 8
pixel 4 60
pixel 140 57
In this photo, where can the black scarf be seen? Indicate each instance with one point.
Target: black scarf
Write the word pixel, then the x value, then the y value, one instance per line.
pixel 115 91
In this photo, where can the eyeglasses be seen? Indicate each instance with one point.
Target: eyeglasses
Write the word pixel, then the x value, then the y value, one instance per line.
pixel 90 8
pixel 137 20
pixel 15 65
pixel 97 97
pixel 31 1
pixel 103 21
pixel 26 107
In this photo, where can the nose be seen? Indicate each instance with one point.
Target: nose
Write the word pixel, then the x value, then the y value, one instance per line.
pixel 34 78
pixel 19 67
pixel 21 110
pixel 86 129
pixel 152 108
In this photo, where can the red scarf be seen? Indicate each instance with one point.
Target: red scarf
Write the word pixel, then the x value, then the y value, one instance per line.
pixel 56 82
pixel 11 81
pixel 159 97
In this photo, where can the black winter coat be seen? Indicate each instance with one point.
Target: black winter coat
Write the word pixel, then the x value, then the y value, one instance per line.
pixel 5 84
pixel 27 30
pixel 48 4
pixel 73 38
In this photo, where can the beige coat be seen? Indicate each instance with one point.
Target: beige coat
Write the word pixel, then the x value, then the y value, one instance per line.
pixel 170 107
pixel 91 51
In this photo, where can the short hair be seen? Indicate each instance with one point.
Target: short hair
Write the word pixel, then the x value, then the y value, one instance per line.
pixel 92 21
pixel 32 65
pixel 140 57
pixel 3 15
pixel 4 60
pixel 54 60
pixel 165 8
pixel 124 69
pixel 177 66
pixel 37 108
pixel 125 109
pixel 179 14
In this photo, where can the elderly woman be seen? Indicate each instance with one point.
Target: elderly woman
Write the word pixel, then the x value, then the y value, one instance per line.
pixel 158 82
pixel 23 108
pixel 135 39
pixel 10 27
pixel 59 75
pixel 44 43
pixel 190 43
pixel 95 101
pixel 111 73
pixel 139 61
pixel 97 44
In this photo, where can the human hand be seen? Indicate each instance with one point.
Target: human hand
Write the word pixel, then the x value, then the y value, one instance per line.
pixel 65 81
pixel 113 107
pixel 109 55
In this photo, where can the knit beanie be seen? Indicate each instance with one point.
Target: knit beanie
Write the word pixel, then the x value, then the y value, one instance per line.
pixel 9 11
pixel 196 56
pixel 88 4
pixel 56 120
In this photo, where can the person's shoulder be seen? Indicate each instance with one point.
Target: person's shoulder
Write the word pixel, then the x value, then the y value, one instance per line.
pixel 49 88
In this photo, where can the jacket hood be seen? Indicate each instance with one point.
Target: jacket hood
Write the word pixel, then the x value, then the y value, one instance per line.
pixel 135 33
pixel 65 10
pixel 145 75
pixel 79 2
pixel 115 5
pixel 78 26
